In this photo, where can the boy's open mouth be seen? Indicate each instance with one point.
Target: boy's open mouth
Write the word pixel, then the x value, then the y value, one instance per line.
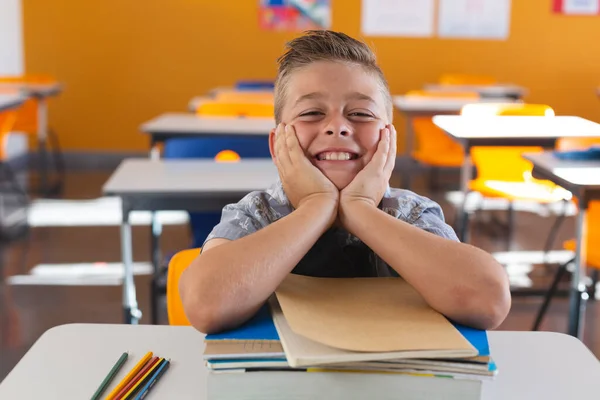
pixel 336 156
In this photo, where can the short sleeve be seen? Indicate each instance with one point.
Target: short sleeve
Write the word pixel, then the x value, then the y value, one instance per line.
pixel 430 218
pixel 418 211
pixel 249 215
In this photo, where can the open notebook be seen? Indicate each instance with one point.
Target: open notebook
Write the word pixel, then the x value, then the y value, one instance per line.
pixel 324 321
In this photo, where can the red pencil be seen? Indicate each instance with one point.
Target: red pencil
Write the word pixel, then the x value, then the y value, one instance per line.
pixel 137 377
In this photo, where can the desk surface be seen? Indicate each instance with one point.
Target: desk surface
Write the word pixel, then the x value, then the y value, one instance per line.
pixel 499 90
pixel 438 105
pixel 8 101
pixel 585 174
pixel 35 89
pixel 532 365
pixel 525 127
pixel 189 124
pixel 189 177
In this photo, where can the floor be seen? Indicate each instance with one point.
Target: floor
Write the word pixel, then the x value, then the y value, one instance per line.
pixel 28 307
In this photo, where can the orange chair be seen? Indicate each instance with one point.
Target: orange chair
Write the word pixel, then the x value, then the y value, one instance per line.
pixel 466 79
pixel 27 121
pixel 502 172
pixel 179 262
pixel 433 147
pixel 7 122
pixel 215 108
pixel 244 97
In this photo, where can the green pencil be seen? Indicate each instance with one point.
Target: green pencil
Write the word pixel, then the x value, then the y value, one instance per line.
pixel 110 376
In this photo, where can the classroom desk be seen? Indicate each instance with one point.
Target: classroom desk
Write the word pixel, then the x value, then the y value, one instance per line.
pixel 582 178
pixel 514 92
pixel 413 106
pixel 172 125
pixel 508 131
pixel 191 185
pixel 9 101
pixel 41 92
pixel 70 361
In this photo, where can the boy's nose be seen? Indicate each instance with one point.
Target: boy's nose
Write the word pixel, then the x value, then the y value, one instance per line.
pixel 337 126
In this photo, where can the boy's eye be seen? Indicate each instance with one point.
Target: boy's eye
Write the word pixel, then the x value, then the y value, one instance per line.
pixel 360 114
pixel 311 113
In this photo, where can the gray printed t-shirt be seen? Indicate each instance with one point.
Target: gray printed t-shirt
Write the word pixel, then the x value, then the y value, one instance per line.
pixel 336 253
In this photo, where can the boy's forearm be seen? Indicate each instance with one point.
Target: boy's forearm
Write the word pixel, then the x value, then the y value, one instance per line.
pixel 462 282
pixel 227 284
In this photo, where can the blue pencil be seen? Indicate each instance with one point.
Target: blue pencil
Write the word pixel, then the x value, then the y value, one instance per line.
pixel 152 381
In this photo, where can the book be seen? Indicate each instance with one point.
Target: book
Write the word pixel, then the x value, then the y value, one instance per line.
pixel 270 385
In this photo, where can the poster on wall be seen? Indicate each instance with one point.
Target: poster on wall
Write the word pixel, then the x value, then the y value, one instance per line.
pixel 398 18
pixel 474 19
pixel 294 15
pixel 576 7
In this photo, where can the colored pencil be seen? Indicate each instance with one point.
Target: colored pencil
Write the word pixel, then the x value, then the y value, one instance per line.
pixel 153 379
pixel 111 374
pixel 129 376
pixel 131 393
pixel 137 377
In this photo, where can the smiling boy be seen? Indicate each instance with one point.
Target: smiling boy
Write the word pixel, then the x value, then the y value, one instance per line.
pixel 332 213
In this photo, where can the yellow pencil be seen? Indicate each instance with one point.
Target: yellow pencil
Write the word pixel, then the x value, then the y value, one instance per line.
pixel 142 379
pixel 130 375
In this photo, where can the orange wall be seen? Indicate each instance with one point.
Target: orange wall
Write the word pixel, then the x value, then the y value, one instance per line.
pixel 123 62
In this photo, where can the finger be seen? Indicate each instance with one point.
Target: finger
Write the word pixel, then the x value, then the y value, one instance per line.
pixel 295 150
pixel 380 156
pixel 391 155
pixel 281 152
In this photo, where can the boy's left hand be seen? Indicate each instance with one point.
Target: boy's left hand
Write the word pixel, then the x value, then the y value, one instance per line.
pixel 370 184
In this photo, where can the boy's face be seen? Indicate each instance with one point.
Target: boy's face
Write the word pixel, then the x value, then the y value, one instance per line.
pixel 338 112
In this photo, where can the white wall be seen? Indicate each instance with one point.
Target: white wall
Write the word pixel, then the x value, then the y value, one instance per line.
pixel 11 38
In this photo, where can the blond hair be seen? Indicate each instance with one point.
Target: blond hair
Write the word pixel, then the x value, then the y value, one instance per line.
pixel 323 45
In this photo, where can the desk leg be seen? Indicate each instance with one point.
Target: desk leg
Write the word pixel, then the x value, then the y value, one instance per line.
pixel 408 143
pixel 42 128
pixel 462 220
pixel 132 314
pixel 579 296
pixel 156 261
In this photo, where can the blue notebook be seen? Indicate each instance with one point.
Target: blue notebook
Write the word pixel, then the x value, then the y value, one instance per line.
pixel 261 327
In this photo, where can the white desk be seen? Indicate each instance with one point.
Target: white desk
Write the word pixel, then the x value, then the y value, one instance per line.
pixel 172 125
pixel 191 185
pixel 582 178
pixel 492 91
pixel 70 361
pixel 10 101
pixel 415 106
pixel 508 131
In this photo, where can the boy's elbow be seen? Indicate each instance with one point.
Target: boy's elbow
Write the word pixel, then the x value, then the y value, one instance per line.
pixel 198 310
pixel 490 307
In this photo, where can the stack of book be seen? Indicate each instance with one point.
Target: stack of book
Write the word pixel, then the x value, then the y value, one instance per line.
pixel 360 325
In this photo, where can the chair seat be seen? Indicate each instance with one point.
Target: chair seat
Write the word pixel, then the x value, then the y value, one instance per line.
pixel 538 191
pixel 593 253
pixel 442 159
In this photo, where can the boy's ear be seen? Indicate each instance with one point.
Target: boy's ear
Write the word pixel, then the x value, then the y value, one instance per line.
pixel 272 143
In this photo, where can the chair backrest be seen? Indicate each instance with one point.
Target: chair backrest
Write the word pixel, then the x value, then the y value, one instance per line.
pixel 505 163
pixel 249 84
pixel 179 262
pixel 244 97
pixel 220 109
pixel 27 117
pixel 466 79
pixel 443 94
pixel 7 122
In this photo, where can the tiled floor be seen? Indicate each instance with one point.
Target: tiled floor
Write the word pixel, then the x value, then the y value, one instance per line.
pixel 26 311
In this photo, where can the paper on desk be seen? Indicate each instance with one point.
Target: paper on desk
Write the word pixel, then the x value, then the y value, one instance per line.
pixel 366 315
pixel 397 17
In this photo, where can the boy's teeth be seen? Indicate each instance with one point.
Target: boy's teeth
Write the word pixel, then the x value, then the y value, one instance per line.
pixel 335 156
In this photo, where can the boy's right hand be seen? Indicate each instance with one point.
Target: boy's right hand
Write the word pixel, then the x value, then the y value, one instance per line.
pixel 302 181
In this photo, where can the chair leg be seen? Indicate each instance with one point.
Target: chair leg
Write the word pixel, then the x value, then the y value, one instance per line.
pixel 549 295
pixel 58 161
pixel 510 226
pixel 592 289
